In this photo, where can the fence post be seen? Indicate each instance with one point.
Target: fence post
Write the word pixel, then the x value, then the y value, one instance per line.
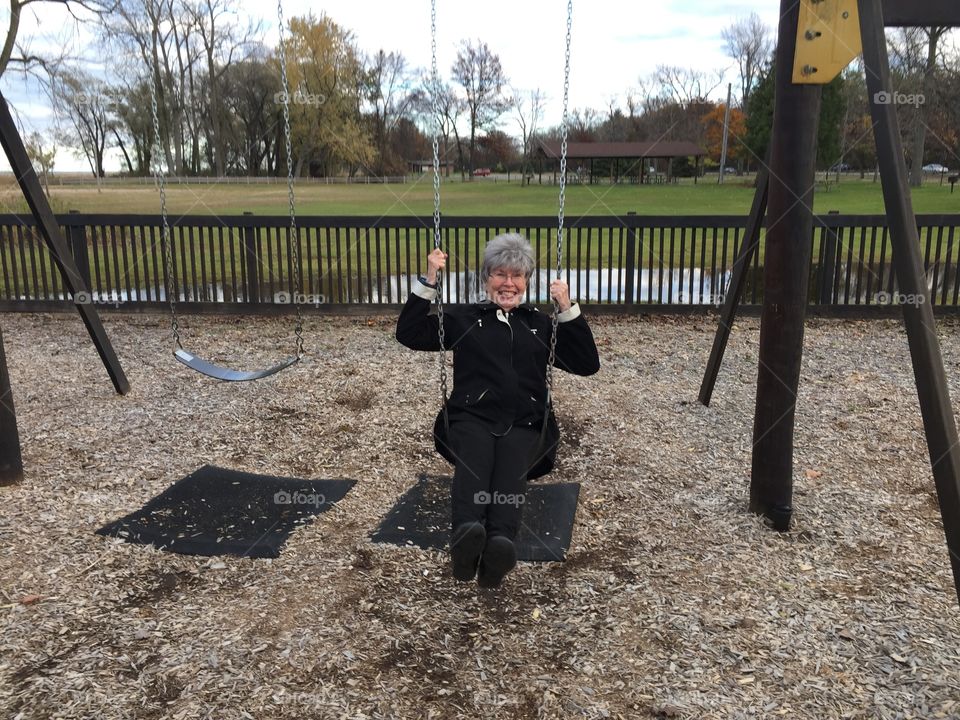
pixel 11 461
pixel 631 261
pixel 828 264
pixel 77 237
pixel 251 261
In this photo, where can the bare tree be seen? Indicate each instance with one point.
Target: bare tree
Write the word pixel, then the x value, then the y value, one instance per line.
pixel 443 108
pixel 42 155
pixel 249 89
pixel 677 101
pixel 686 86
pixel 144 32
pixel 922 44
pixel 222 43
pixel 750 43
pixel 477 69
pixel 25 59
pixel 183 59
pixel 583 124
pixel 616 127
pixel 133 129
pixel 528 107
pixel 87 105
pixel 183 50
pixel 856 128
pixel 389 97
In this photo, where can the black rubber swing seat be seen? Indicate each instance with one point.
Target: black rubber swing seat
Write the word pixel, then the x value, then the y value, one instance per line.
pixel 221 373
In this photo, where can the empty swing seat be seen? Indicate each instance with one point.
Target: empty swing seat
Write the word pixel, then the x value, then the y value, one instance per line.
pixel 221 373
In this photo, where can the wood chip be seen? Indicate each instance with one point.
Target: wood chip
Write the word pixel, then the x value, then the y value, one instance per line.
pixel 674 602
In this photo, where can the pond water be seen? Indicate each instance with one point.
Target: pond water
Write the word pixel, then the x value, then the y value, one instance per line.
pixel 856 283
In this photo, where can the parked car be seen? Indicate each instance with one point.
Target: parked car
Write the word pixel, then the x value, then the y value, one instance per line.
pixel 481 172
pixel 935 168
pixel 728 170
pixel 839 167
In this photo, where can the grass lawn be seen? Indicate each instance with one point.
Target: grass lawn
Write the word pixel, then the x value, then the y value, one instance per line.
pixel 482 197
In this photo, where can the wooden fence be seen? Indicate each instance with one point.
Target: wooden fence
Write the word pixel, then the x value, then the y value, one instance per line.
pixel 243 263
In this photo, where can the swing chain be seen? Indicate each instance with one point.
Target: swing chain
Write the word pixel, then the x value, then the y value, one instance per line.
pixel 294 236
pixel 435 80
pixel 158 177
pixel 563 185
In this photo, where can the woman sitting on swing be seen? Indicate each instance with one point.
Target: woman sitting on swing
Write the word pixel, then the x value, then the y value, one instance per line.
pixel 499 400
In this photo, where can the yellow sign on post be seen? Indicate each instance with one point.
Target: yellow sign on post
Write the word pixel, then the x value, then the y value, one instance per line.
pixel 828 38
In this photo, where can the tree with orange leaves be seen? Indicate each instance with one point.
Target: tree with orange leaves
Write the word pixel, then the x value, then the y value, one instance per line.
pixel 713 133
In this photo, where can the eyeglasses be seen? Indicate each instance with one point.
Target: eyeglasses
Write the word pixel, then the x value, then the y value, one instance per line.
pixel 502 277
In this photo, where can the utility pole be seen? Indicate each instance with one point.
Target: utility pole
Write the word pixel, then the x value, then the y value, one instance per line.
pixel 726 133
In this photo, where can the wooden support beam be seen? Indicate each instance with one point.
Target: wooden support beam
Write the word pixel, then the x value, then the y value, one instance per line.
pixel 11 462
pixel 793 151
pixel 918 13
pixel 932 389
pixel 731 301
pixel 50 230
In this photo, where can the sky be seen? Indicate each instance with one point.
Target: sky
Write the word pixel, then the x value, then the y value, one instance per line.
pixel 613 44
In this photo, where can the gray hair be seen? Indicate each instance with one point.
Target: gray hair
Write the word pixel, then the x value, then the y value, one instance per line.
pixel 510 251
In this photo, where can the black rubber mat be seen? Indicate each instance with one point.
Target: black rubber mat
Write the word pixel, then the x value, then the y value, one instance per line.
pixel 214 511
pixel 421 518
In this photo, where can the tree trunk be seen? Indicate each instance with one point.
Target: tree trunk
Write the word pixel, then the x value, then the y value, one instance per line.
pixel 12 30
pixel 920 114
pixel 473 144
pixel 123 149
pixel 216 110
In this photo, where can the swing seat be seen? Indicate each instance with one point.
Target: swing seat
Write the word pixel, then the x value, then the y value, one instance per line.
pixel 221 373
pixel 540 464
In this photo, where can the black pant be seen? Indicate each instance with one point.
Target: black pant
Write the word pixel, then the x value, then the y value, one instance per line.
pixel 490 479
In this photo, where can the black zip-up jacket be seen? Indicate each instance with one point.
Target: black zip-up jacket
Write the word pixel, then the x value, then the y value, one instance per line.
pixel 499 359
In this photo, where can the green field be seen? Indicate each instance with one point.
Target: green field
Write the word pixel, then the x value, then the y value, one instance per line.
pixel 482 197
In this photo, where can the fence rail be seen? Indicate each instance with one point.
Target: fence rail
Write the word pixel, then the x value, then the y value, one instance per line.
pixel 86 180
pixel 243 262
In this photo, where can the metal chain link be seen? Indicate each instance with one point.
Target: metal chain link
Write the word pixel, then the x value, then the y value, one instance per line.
pixel 437 243
pixel 294 237
pixel 170 283
pixel 563 187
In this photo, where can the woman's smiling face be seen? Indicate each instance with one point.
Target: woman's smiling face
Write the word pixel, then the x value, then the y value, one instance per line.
pixel 506 288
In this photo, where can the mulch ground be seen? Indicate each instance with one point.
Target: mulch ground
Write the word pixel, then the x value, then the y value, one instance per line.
pixel 674 602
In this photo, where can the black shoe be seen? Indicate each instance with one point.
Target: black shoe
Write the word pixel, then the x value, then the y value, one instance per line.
pixel 466 544
pixel 499 557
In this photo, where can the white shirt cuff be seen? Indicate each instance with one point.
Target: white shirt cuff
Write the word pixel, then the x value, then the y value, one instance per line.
pixel 571 313
pixel 424 291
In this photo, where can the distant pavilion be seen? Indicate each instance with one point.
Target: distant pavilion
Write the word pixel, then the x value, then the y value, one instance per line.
pixel 636 162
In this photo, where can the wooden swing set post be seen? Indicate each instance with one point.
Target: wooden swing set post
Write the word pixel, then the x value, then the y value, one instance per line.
pixel 11 462
pixel 49 229
pixel 812 37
